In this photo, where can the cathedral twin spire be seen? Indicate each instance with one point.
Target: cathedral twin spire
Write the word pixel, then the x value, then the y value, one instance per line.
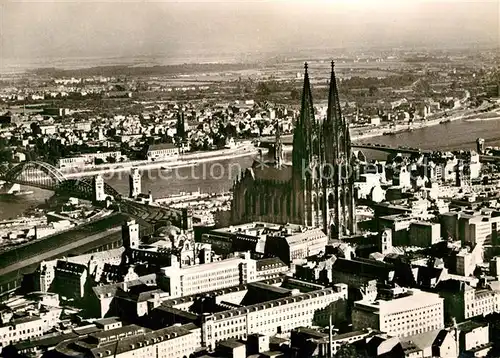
pixel 322 150
pixel 325 141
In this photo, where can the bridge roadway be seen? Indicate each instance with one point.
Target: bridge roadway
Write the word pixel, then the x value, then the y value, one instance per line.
pixel 266 142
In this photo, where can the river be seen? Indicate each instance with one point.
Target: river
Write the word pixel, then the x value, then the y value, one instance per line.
pixel 219 176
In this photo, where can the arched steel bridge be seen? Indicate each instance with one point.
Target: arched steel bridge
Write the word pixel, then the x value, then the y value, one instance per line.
pixel 45 176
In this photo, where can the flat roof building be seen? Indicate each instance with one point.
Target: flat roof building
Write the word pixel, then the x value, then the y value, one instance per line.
pixel 406 313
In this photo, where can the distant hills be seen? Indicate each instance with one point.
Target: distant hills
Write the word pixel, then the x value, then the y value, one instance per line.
pixel 126 70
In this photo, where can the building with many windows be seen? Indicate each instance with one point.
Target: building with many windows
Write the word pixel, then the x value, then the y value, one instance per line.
pixel 272 317
pixel 87 159
pixel 190 280
pixel 288 242
pixel 404 313
pixel 424 234
pixel 23 318
pixel 70 279
pixel 163 151
pixel 134 341
pixel 266 307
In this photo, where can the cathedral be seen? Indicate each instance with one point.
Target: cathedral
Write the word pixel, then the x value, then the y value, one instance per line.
pixel 316 188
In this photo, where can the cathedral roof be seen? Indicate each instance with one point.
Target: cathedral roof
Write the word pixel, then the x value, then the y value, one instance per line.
pixel 269 172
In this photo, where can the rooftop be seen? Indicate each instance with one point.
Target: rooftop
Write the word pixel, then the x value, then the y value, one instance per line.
pixel 273 262
pixel 231 343
pixel 469 326
pixel 413 300
pixel 192 270
pixel 161 146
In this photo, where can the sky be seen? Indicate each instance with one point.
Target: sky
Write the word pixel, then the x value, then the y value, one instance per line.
pixel 38 29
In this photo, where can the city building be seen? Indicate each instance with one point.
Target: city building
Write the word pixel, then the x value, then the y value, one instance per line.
pixel 404 313
pixel 70 279
pixel 87 159
pixel 185 281
pixel 136 341
pixel 130 235
pixel 161 152
pixel 94 265
pixel 268 307
pixel 296 244
pixel 24 318
pixel 424 234
pixel 288 242
pixel 474 338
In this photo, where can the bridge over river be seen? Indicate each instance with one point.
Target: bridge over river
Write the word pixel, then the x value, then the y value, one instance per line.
pixel 101 234
pixel 268 142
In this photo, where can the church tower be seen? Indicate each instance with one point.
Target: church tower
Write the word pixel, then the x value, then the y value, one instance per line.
pixel 278 147
pixel 134 180
pixel 98 188
pixel 338 174
pixel 306 157
pixel 130 235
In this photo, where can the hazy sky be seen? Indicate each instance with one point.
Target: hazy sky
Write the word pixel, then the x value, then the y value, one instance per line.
pixel 38 29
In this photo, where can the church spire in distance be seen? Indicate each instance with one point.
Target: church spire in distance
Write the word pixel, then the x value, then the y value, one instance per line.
pixel 304 127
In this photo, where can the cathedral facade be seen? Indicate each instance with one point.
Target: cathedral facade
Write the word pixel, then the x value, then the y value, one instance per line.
pixel 316 188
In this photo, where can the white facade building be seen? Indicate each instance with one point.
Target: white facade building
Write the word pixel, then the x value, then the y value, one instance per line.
pixel 410 312
pixel 192 280
pixel 28 327
pixel 87 159
pixel 277 316
pixel 164 151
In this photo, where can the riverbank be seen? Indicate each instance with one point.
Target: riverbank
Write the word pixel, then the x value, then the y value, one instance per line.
pixel 193 159
pixel 183 162
pixel 483 119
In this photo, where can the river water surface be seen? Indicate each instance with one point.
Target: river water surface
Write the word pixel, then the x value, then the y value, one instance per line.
pixel 219 176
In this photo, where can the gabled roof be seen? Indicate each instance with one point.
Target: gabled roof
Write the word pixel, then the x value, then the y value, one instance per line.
pixel 425 274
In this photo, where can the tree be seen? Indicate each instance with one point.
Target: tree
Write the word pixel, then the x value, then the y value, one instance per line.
pixel 294 94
